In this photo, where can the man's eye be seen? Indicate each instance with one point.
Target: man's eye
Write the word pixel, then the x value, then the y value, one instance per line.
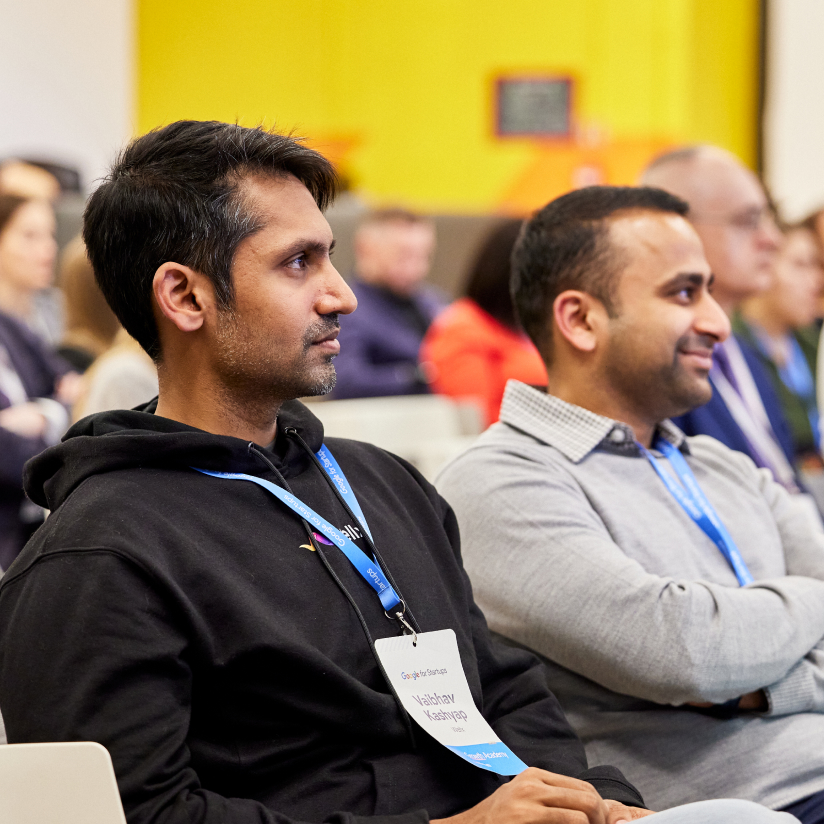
pixel 297 263
pixel 686 294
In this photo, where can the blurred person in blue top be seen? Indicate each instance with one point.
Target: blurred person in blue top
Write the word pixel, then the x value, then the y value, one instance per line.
pixel 380 343
pixel 780 326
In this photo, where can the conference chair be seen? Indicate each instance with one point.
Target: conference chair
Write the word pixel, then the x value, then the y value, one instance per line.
pixel 426 430
pixel 63 783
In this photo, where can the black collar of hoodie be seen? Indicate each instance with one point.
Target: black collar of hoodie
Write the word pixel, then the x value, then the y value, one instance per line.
pixel 122 439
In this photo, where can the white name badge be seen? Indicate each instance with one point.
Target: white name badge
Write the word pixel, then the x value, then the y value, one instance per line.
pixel 430 682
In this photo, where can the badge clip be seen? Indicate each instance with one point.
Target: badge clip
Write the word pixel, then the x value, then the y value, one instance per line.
pixel 406 628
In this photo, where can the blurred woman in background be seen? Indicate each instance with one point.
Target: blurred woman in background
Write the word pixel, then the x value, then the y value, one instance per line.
pixel 27 256
pixel 121 378
pixel 118 374
pixel 780 325
pixel 91 325
pixel 33 379
pixel 475 345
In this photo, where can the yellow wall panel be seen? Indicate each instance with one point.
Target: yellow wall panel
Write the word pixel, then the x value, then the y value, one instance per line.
pixel 401 93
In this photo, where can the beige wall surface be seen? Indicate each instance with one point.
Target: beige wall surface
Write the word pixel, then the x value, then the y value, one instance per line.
pixel 794 122
pixel 66 80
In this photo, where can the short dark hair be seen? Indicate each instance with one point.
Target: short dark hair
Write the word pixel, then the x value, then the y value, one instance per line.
pixel 566 245
pixel 488 281
pixel 174 195
pixel 9 204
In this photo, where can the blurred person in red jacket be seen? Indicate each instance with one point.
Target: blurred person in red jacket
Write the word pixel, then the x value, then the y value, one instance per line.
pixel 476 345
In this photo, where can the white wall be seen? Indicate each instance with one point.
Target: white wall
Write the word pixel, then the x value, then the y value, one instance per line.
pixel 794 125
pixel 66 80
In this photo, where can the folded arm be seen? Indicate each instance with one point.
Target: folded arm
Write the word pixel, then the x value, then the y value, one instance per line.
pixel 521 709
pixel 550 576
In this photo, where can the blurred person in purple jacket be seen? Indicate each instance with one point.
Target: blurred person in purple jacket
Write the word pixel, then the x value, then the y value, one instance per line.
pixel 380 342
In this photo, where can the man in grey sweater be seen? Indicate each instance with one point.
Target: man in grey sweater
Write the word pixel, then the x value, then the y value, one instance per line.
pixel 674 590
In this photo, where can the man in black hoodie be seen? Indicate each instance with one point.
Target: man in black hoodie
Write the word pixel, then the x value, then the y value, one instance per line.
pixel 222 648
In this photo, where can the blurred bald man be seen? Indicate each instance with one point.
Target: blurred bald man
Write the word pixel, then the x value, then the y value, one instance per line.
pixel 732 215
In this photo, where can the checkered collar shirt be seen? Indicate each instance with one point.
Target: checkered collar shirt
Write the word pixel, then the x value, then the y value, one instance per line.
pixel 574 431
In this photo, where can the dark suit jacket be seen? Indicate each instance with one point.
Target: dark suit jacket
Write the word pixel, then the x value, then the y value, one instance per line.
pixel 716 420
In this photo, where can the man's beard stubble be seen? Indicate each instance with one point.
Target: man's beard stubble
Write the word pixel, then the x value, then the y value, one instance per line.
pixel 256 375
pixel 325 326
pixel 666 391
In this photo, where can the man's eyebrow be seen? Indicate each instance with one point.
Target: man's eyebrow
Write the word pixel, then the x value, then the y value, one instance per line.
pixel 683 279
pixel 307 246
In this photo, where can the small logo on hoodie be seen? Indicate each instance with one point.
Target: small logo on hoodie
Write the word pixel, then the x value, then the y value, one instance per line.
pixel 351 532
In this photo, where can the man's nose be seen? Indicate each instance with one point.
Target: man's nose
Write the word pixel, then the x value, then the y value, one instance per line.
pixel 337 296
pixel 769 235
pixel 712 320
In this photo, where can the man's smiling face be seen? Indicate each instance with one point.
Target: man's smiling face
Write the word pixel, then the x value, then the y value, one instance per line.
pixel 278 339
pixel 659 348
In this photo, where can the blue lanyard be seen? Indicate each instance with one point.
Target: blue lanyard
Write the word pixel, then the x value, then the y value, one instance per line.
pixel 369 569
pixel 695 504
pixel 336 474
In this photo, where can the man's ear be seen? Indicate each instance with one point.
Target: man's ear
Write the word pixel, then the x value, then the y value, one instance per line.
pixel 183 296
pixel 579 318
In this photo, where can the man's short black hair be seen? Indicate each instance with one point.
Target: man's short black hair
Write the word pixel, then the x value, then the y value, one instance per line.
pixel 566 245
pixel 174 195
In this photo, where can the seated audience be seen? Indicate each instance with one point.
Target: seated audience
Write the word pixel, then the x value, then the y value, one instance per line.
pixel 233 661
pixel 91 325
pixel 815 222
pixel 476 344
pixel 30 420
pixel 381 343
pixel 121 378
pixel 675 591
pixel 27 255
pixel 779 325
pixel 731 214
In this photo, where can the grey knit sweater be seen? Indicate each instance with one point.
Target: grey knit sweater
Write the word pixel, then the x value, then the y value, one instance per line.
pixel 577 550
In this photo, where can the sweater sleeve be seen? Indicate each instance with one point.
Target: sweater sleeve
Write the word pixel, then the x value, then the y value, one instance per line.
pixel 802 536
pixel 551 577
pixel 116 669
pixel 521 709
pixel 801 689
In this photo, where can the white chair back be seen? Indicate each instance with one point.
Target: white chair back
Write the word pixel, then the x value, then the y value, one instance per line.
pixel 62 783
pixel 426 430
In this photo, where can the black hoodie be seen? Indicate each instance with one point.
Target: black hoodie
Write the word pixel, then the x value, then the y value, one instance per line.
pixel 181 621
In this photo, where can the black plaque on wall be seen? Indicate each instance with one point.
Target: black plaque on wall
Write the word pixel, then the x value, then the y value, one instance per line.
pixel 533 106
